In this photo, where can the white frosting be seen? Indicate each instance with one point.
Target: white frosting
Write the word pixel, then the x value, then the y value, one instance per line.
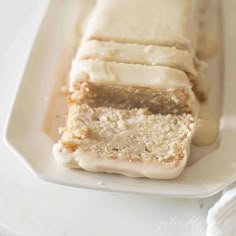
pixel 127 74
pixel 158 22
pixel 137 54
pixel 206 128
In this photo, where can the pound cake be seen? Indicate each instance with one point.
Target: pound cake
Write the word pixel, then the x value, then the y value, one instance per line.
pixel 135 89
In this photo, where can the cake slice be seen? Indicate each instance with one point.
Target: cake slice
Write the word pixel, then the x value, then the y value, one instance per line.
pixel 150 22
pixel 132 142
pixel 120 83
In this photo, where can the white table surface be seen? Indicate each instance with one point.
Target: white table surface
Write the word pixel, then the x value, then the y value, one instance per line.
pixel 32 207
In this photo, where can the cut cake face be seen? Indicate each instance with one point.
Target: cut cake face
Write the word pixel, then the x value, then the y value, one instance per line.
pixel 131 142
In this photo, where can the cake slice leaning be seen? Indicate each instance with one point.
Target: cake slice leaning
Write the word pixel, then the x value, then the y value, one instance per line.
pixel 161 89
pixel 132 142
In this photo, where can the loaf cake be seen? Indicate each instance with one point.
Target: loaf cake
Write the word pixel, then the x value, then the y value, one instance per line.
pixel 135 88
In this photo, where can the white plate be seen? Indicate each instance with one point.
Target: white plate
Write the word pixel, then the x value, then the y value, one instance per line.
pixel 32 138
